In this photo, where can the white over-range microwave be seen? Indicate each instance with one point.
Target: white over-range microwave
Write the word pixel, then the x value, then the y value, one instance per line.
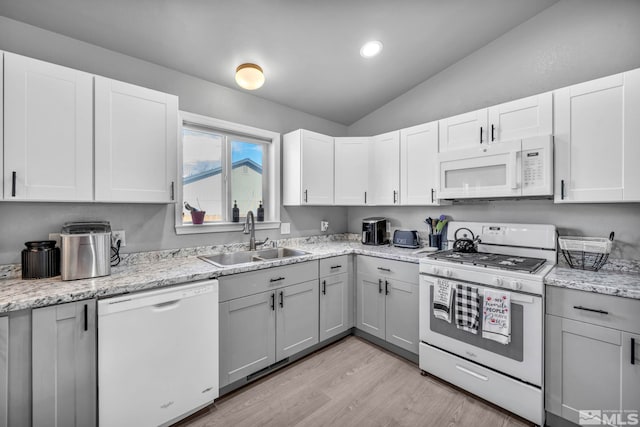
pixel 518 168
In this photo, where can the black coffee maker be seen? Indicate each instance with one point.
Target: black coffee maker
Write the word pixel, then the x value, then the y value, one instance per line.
pixel 374 231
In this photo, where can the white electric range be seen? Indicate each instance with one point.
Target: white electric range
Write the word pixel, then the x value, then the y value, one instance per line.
pixel 510 257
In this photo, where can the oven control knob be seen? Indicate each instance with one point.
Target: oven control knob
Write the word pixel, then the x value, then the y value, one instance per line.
pixel 435 270
pixel 448 272
pixel 515 285
pixel 498 281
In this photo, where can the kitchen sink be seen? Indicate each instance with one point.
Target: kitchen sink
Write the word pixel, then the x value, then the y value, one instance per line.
pixel 242 257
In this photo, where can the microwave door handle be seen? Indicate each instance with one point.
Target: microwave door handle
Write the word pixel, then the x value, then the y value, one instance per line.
pixel 513 161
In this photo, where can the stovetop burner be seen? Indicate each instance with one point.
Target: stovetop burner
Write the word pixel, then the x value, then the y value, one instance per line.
pixel 485 259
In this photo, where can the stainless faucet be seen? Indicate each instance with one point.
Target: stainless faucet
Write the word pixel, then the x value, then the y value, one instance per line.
pixel 251 228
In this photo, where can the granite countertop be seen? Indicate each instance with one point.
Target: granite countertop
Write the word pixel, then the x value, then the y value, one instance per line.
pixel 148 270
pixel 621 282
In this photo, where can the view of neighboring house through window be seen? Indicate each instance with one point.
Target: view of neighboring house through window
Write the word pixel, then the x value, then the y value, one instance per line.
pixel 218 169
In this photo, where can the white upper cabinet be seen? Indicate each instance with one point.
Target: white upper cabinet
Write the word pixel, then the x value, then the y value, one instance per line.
pixel 419 165
pixel 308 159
pixel 352 170
pixel 522 118
pixel 597 140
pixel 48 131
pixel 384 169
pixel 1 124
pixel 463 131
pixel 136 133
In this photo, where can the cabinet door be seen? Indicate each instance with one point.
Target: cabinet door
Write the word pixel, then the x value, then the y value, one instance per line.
pixel 579 355
pixel 466 130
pixel 48 131
pixel 64 365
pixel 402 314
pixel 4 370
pixel 317 169
pixel 384 170
pixel 335 305
pixel 419 165
pixel 630 372
pixel 351 170
pixel 136 141
pixel 522 118
pixel 297 319
pixel 2 134
pixel 370 309
pixel 247 336
pixel 592 129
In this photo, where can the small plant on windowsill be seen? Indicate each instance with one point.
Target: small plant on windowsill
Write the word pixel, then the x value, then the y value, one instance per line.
pixel 197 215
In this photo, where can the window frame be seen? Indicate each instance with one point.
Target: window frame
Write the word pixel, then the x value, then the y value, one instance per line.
pixel 271 179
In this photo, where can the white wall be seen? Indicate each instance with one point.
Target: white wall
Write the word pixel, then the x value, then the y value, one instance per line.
pixel 149 227
pixel 570 42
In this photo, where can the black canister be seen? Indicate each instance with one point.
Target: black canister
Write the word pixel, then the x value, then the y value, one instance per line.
pixel 40 260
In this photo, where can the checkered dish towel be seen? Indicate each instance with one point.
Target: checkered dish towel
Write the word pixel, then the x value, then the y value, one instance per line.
pixel 467 308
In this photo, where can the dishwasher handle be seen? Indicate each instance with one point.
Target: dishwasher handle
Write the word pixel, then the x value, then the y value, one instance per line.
pixel 159 299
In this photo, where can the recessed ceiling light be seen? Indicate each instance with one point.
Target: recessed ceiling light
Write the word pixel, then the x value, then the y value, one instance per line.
pixel 370 49
pixel 249 76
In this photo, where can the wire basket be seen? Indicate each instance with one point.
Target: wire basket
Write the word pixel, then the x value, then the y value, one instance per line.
pixel 586 253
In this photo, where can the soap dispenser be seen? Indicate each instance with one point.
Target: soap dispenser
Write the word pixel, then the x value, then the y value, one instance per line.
pixel 260 212
pixel 236 212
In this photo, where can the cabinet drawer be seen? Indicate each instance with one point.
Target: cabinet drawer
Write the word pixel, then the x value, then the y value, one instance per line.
pixel 612 312
pixel 243 284
pixel 334 265
pixel 399 270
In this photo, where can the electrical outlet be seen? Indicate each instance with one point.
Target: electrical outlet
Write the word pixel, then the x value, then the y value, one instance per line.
pixel 56 237
pixel 324 225
pixel 285 228
pixel 118 235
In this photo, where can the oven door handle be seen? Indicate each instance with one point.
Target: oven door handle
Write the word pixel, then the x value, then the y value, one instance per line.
pixel 470 372
pixel 525 299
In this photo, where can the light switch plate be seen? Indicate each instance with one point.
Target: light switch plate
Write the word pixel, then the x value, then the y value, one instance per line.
pixel 324 225
pixel 285 228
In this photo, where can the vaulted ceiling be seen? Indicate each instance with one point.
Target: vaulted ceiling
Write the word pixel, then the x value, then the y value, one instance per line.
pixel 309 50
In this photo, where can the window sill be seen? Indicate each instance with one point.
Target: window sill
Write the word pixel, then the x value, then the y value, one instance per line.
pixel 223 227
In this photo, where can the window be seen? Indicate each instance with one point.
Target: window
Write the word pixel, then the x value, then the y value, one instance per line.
pixel 225 163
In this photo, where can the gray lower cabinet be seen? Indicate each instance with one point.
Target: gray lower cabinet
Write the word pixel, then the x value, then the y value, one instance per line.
pixel 296 318
pixel 590 364
pixel 336 296
pixel 4 370
pixel 15 369
pixel 265 318
pixel 387 300
pixel 247 336
pixel 64 377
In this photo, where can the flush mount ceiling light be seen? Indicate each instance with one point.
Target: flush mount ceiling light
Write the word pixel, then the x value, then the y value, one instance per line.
pixel 371 49
pixel 249 76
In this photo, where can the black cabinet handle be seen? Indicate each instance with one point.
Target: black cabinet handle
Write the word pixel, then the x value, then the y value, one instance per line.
pixel 562 189
pixel 379 286
pixel 305 195
pixel 281 299
pixel 13 184
pixel 324 287
pixel 365 197
pixel 273 302
pixel 386 287
pixel 86 317
pixel 493 128
pixel 277 279
pixel 333 267
pixel 384 269
pixel 173 193
pixel 480 134
pixel 432 195
pixel 579 307
pixel 633 351
pixel 395 193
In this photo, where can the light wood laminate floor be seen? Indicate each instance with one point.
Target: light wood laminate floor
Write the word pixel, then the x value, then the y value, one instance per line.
pixel 351 383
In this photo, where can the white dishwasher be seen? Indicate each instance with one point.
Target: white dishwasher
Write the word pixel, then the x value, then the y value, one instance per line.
pixel 157 355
